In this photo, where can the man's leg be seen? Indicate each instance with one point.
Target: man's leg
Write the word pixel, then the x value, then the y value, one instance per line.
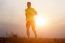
pixel 33 28
pixel 28 26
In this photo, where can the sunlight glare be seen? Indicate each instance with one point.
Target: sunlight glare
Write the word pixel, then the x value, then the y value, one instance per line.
pixel 40 20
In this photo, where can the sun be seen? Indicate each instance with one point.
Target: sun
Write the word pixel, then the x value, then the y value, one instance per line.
pixel 40 20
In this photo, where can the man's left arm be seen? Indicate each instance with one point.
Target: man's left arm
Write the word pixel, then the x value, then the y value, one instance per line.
pixel 35 11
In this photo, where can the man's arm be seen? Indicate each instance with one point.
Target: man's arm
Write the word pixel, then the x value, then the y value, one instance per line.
pixel 25 13
pixel 35 11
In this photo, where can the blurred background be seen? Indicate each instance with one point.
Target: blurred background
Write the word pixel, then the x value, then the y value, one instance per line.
pixel 12 18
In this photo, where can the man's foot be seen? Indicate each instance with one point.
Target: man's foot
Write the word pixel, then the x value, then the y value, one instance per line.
pixel 28 37
pixel 35 36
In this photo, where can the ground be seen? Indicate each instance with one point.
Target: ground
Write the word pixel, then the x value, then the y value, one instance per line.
pixel 32 40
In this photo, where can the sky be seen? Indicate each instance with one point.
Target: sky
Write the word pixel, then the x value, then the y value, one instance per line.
pixel 12 17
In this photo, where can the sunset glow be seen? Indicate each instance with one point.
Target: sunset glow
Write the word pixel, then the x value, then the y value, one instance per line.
pixel 40 20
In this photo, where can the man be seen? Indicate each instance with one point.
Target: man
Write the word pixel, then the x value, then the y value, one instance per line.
pixel 30 13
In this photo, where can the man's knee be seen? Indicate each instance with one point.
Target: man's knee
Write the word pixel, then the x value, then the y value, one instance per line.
pixel 27 24
pixel 33 27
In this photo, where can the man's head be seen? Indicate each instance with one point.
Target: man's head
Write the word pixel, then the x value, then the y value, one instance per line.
pixel 28 4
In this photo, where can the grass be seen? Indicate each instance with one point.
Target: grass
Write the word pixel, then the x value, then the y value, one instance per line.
pixel 15 39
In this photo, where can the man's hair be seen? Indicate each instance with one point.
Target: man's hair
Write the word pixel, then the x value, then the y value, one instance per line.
pixel 28 2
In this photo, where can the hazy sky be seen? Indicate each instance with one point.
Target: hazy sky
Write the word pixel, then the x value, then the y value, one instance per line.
pixel 12 17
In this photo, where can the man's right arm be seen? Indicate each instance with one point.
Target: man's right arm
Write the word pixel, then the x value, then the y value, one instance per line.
pixel 25 12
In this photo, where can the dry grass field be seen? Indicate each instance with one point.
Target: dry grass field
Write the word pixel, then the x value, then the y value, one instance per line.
pixel 32 40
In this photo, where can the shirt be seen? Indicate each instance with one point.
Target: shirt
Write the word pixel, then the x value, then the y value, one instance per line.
pixel 30 13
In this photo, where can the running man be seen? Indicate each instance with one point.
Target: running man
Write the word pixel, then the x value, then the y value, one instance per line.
pixel 30 13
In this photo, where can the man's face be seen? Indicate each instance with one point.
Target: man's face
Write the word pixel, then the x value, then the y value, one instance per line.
pixel 28 4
